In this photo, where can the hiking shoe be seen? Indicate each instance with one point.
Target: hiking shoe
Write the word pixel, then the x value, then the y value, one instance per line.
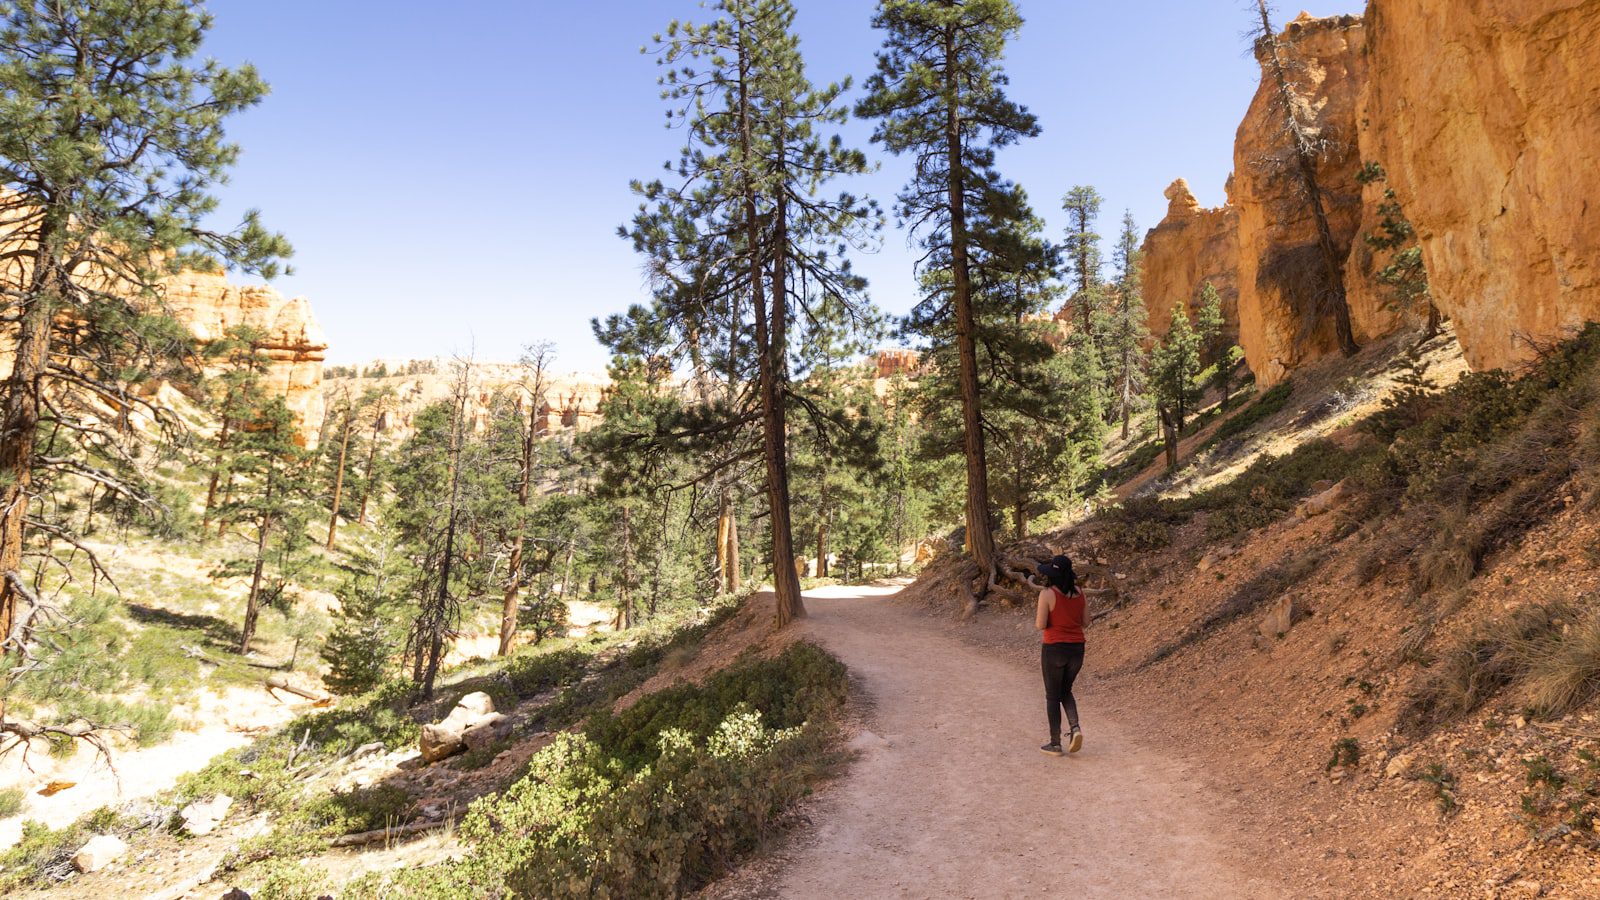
pixel 1076 743
pixel 1051 749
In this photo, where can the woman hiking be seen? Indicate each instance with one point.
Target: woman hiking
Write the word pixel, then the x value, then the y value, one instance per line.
pixel 1061 617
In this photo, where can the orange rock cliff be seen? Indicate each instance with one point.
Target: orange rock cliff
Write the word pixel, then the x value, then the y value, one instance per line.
pixel 1485 115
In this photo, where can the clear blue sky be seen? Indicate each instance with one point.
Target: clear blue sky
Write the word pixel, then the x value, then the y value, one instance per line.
pixel 452 175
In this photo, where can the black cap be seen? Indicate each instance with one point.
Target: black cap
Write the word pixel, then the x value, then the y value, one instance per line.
pixel 1056 567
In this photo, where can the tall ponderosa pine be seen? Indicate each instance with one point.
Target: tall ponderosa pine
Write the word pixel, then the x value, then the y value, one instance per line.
pixel 1306 148
pixel 938 94
pixel 1127 333
pixel 530 388
pixel 111 142
pixel 1082 247
pixel 746 239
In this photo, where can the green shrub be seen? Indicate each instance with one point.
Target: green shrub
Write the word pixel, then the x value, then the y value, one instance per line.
pixel 1266 405
pixel 804 681
pixel 652 801
pixel 11 800
pixel 1142 524
pixel 1346 753
pixel 1270 488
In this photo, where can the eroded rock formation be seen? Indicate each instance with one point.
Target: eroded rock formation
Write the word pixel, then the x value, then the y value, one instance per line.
pixel 1486 115
pixel 292 340
pixel 1192 245
pixel 1283 320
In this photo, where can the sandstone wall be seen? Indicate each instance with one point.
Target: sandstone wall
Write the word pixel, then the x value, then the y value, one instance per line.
pixel 1486 114
pixel 209 305
pixel 1282 323
pixel 1190 247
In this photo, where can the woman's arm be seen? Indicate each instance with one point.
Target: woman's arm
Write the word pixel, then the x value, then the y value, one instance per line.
pixel 1047 601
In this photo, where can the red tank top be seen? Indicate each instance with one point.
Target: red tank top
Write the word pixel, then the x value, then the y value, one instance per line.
pixel 1065 624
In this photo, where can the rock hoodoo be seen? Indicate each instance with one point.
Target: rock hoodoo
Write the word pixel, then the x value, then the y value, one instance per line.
pixel 294 343
pixel 1281 320
pixel 1191 246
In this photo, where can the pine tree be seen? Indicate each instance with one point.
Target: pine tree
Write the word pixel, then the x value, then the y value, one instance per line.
pixel 1404 273
pixel 938 95
pixel 361 646
pixel 436 466
pixel 1175 368
pixel 1127 334
pixel 270 502
pixel 531 387
pixel 111 141
pixel 749 239
pixel 1082 206
pixel 1216 349
pixel 234 394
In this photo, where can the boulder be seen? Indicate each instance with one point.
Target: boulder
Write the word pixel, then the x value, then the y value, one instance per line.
pixel 203 816
pixel 487 731
pixel 1279 619
pixel 101 851
pixel 447 737
pixel 1321 503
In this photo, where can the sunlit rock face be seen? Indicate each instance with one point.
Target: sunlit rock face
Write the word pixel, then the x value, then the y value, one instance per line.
pixel 1192 246
pixel 1486 115
pixel 1283 322
pixel 292 340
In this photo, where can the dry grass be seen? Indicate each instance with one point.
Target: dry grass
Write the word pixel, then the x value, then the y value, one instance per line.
pixel 1563 667
pixel 1524 645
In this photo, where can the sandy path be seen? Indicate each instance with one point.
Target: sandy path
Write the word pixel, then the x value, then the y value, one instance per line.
pixel 955 800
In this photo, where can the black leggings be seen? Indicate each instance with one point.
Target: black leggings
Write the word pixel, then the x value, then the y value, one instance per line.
pixel 1061 664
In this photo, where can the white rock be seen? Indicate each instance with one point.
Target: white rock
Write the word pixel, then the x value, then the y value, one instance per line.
pixel 101 850
pixel 448 737
pixel 203 816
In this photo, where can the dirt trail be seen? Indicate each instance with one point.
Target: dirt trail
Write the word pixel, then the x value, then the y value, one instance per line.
pixel 951 797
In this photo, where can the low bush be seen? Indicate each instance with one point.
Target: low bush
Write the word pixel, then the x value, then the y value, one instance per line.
pixel 652 801
pixel 1268 404
pixel 1563 667
pixel 1270 488
pixel 1142 524
pixel 10 802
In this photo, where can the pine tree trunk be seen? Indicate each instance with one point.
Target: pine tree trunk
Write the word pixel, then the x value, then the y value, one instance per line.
pixel 1306 167
pixel 338 479
pixel 366 478
pixel 508 609
pixel 980 534
pixel 252 607
pixel 770 359
pixel 625 608
pixel 216 473
pixel 19 429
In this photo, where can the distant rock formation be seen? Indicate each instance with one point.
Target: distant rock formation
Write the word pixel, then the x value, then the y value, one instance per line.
pixel 1192 245
pixel 895 361
pixel 294 343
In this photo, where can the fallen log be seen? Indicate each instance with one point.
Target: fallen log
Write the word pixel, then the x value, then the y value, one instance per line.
pixel 361 839
pixel 282 683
